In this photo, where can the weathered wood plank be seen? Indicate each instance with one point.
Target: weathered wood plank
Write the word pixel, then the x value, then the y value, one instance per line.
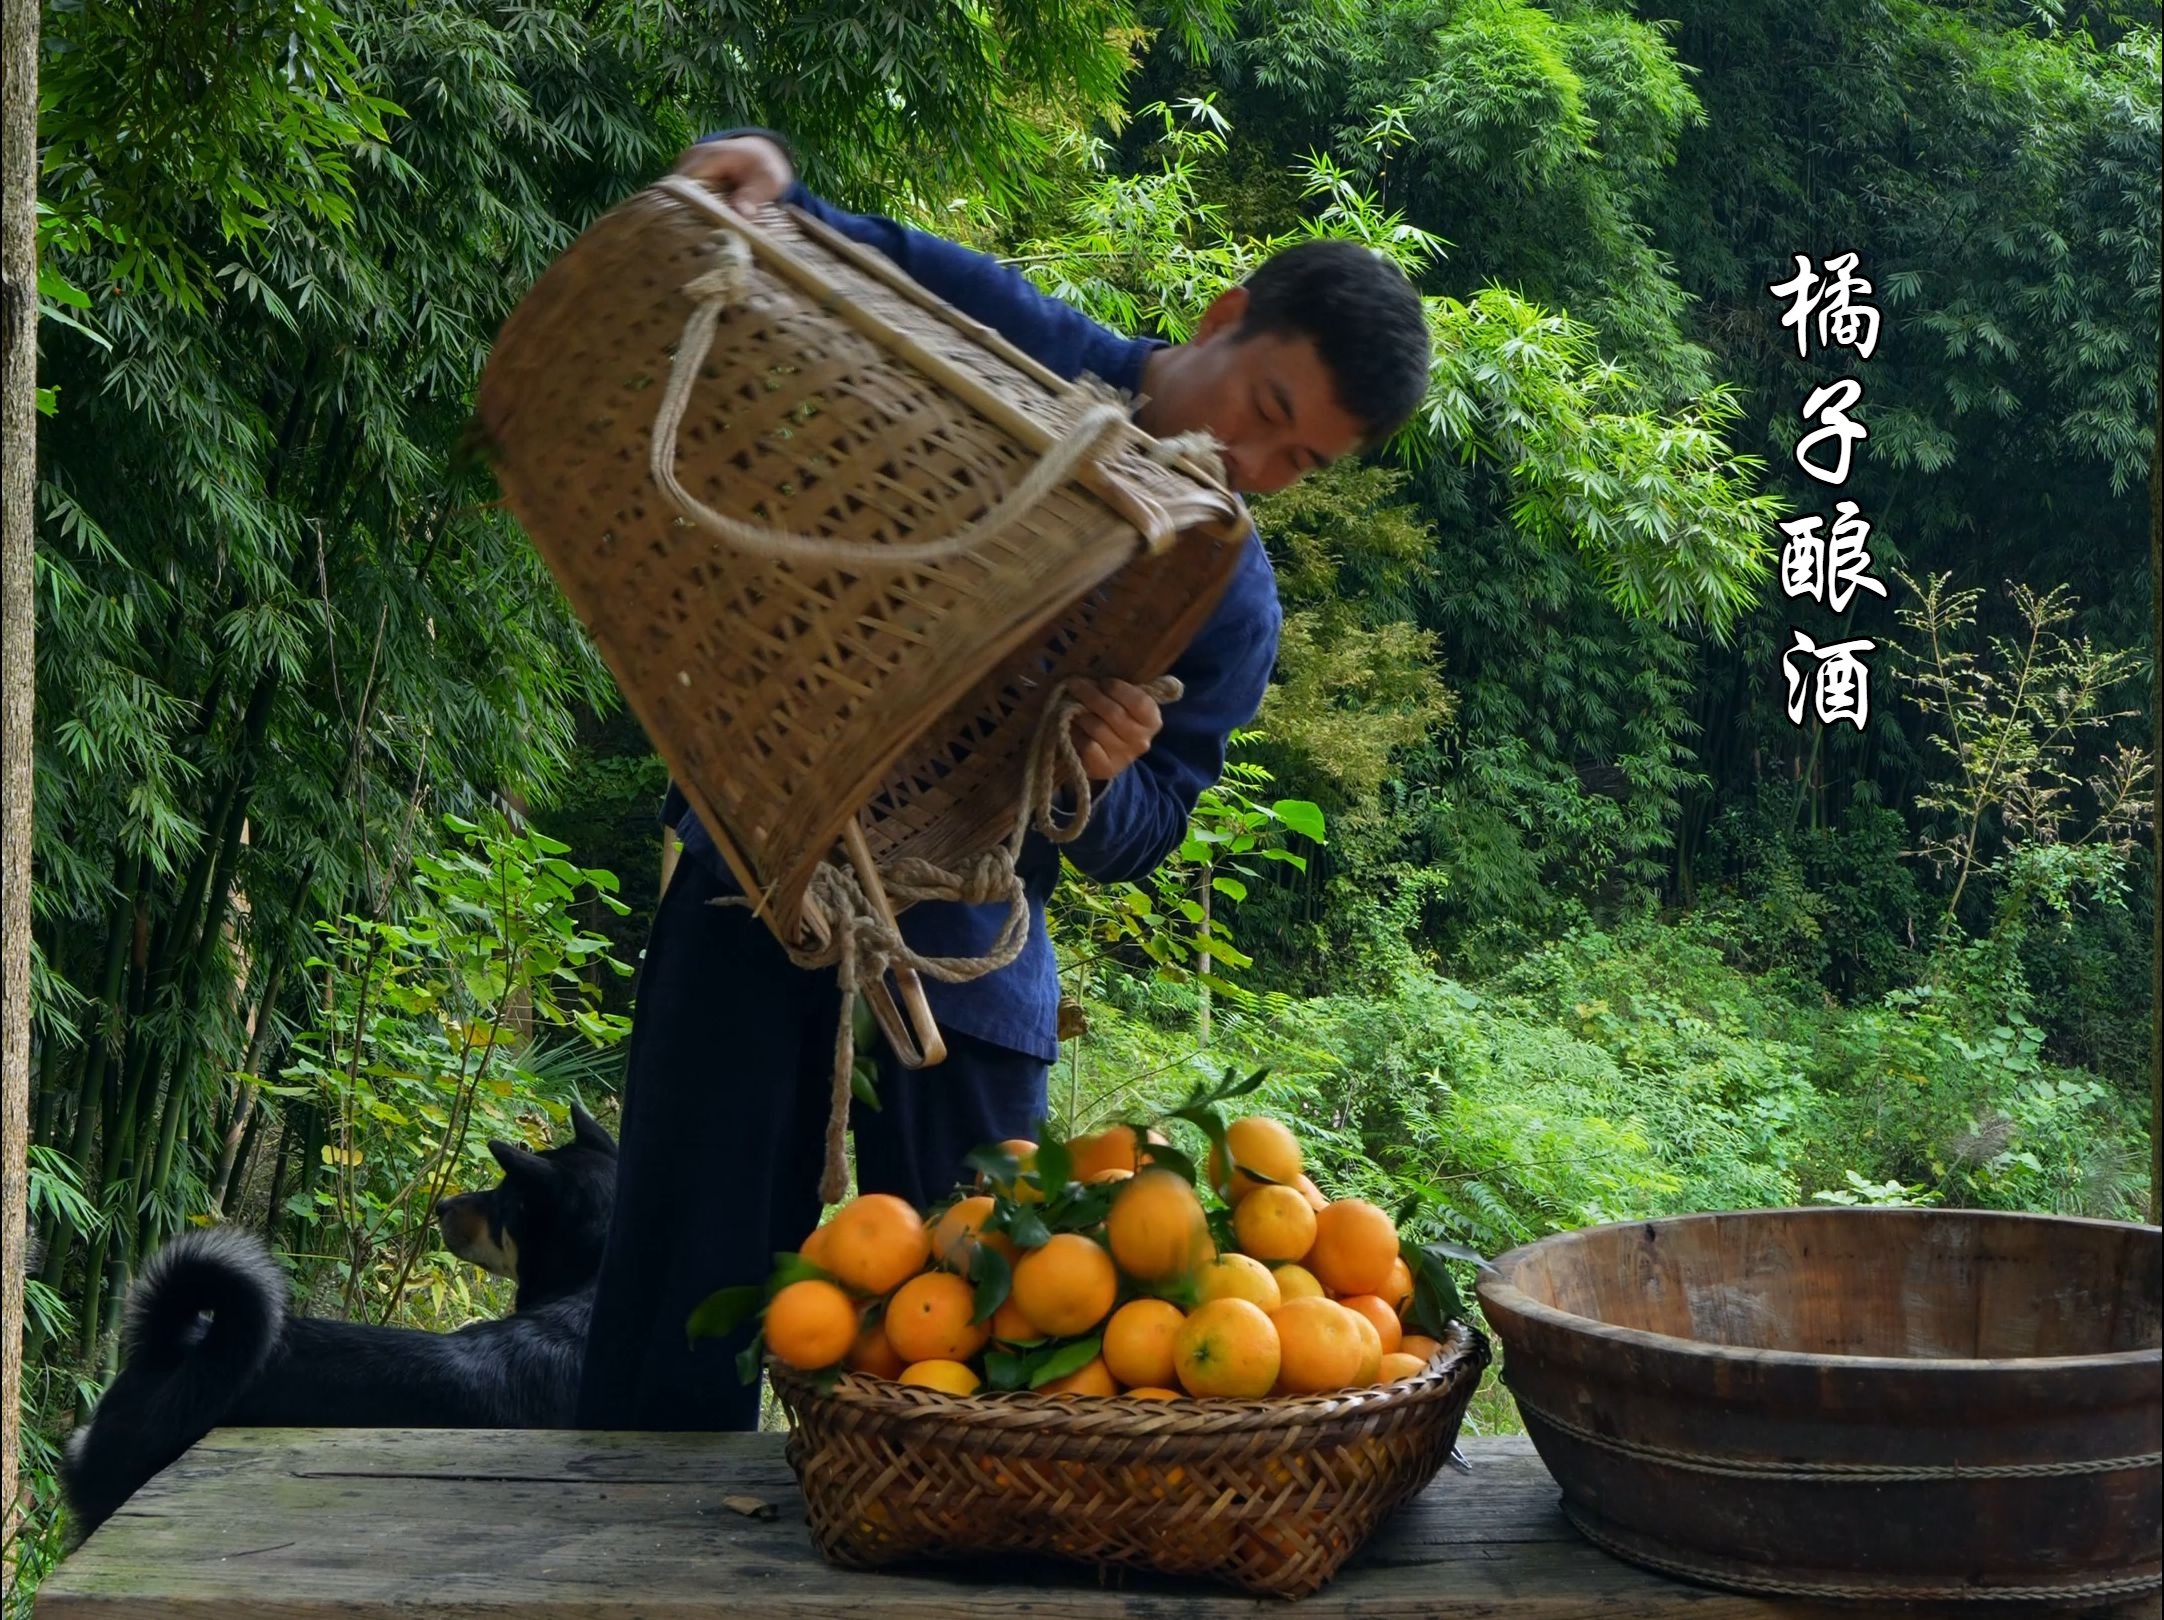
pixel 436 1525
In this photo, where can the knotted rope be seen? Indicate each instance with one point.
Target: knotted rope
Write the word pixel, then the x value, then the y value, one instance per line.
pixel 863 947
pixel 860 944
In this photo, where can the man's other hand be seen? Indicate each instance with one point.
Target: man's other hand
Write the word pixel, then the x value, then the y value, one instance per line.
pixel 749 170
pixel 1115 726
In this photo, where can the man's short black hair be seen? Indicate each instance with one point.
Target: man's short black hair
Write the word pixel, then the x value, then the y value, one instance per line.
pixel 1363 317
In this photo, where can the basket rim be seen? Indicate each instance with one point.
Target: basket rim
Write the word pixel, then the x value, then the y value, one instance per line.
pixel 1464 1351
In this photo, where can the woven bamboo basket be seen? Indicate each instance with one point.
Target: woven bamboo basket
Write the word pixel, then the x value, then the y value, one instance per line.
pixel 825 586
pixel 1269 1495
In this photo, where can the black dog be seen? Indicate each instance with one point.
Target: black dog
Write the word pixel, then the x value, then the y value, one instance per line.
pixel 208 1342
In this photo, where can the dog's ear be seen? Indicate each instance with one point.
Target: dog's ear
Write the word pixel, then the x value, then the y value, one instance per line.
pixel 588 1131
pixel 518 1163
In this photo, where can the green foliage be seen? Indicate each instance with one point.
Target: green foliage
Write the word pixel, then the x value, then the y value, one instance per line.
pixel 1665 511
pixel 1175 918
pixel 175 138
pixel 2014 734
pixel 425 1048
pixel 1357 681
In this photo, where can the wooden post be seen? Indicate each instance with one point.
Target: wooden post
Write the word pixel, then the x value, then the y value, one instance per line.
pixel 18 472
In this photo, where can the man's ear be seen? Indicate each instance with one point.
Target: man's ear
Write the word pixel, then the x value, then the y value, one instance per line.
pixel 1227 310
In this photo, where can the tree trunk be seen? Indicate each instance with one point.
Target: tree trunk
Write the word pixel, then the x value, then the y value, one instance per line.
pixel 2156 814
pixel 18 478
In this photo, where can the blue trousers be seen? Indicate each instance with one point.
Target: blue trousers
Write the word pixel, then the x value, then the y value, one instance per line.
pixel 725 1108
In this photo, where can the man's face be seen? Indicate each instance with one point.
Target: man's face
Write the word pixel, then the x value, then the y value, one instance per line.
pixel 1268 399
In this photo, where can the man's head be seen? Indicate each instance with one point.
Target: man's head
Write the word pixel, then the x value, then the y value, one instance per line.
pixel 1321 352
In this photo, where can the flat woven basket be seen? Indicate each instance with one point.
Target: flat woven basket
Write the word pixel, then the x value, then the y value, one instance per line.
pixel 876 681
pixel 1270 1495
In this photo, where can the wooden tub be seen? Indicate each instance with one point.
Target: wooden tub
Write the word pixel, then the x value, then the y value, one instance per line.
pixel 1934 1405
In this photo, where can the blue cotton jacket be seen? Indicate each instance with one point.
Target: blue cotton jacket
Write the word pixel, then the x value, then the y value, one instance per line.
pixel 1142 815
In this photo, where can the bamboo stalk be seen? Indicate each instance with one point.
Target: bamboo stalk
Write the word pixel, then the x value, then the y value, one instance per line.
pixel 247 1116
pixel 99 1047
pixel 194 962
pixel 234 1172
pixel 278 1172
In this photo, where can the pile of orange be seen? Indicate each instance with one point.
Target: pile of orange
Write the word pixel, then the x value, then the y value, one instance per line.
pixel 1312 1295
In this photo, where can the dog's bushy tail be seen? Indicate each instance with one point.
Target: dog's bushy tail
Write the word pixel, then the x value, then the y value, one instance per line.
pixel 202 1320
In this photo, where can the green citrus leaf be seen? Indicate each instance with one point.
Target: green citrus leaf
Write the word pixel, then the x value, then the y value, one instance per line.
pixel 1171 1158
pixel 722 1312
pixel 1062 1360
pixel 1027 1227
pixel 749 1358
pixel 992 1277
pixel 793 1268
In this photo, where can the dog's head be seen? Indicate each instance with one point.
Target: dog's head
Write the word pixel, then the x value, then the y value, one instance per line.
pixel 544 1225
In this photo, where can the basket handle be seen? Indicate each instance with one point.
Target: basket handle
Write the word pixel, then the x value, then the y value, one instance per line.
pixel 1097 418
pixel 924 1048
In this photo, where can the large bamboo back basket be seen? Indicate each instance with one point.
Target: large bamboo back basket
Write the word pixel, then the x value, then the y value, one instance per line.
pixel 793 695
pixel 1268 1495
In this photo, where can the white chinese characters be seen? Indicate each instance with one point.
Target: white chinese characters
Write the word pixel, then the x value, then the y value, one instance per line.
pixel 1831 682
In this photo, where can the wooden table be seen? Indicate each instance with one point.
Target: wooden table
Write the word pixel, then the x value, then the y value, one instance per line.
pixel 438 1525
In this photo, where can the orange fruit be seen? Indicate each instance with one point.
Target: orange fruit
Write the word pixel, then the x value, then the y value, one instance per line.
pixel 1320 1345
pixel 1312 1193
pixel 1091 1378
pixel 1138 1341
pixel 1110 1149
pixel 1419 1344
pixel 1371 1346
pixel 1066 1287
pixel 928 1319
pixel 1237 1276
pixel 811 1324
pixel 1399 1365
pixel 1106 1175
pixel 1156 1227
pixel 874 1353
pixel 1227 1347
pixel 1010 1326
pixel 1025 1155
pixel 956 1234
pixel 1259 1144
pixel 1354 1245
pixel 1274 1223
pixel 1297 1282
pixel 1152 1392
pixel 875 1243
pixel 1377 1310
pixel 1398 1291
pixel 950 1376
pixel 813 1248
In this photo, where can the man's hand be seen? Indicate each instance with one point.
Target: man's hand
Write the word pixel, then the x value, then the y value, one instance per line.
pixel 1115 727
pixel 749 170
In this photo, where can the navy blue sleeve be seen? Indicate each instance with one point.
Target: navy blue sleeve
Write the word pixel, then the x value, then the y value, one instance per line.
pixel 1141 816
pixel 1056 335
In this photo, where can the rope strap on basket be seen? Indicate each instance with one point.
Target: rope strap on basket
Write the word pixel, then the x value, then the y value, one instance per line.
pixel 861 945
pixel 1096 418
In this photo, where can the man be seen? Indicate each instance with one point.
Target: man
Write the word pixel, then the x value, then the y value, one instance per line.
pixel 1322 352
